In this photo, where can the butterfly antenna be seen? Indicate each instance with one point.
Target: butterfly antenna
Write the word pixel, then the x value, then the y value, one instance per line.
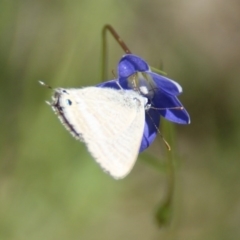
pixel 164 140
pixel 45 85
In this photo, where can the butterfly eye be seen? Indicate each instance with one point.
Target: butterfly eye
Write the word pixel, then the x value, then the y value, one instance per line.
pixel 69 102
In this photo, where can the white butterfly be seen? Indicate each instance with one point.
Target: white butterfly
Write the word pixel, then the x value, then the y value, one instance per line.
pixel 109 121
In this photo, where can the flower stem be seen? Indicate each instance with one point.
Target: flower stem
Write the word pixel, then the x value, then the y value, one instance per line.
pixel 122 44
pixel 164 211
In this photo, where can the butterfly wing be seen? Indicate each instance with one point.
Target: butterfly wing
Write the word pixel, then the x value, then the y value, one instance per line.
pixel 109 121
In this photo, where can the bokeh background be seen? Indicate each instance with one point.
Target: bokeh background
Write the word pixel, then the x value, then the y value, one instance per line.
pixel 50 188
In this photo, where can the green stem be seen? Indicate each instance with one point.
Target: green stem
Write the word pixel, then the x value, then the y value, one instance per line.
pixel 122 44
pixel 164 211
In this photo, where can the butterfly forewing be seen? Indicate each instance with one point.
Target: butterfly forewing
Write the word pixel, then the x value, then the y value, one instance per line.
pixel 109 121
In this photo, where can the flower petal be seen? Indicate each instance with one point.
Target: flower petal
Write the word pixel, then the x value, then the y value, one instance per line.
pixel 162 100
pixel 152 121
pixel 109 84
pixel 166 84
pixel 130 64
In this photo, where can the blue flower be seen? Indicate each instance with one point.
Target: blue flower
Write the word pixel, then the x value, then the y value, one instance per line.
pixel 135 73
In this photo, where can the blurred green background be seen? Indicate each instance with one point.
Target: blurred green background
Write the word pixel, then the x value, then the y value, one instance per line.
pixel 50 188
